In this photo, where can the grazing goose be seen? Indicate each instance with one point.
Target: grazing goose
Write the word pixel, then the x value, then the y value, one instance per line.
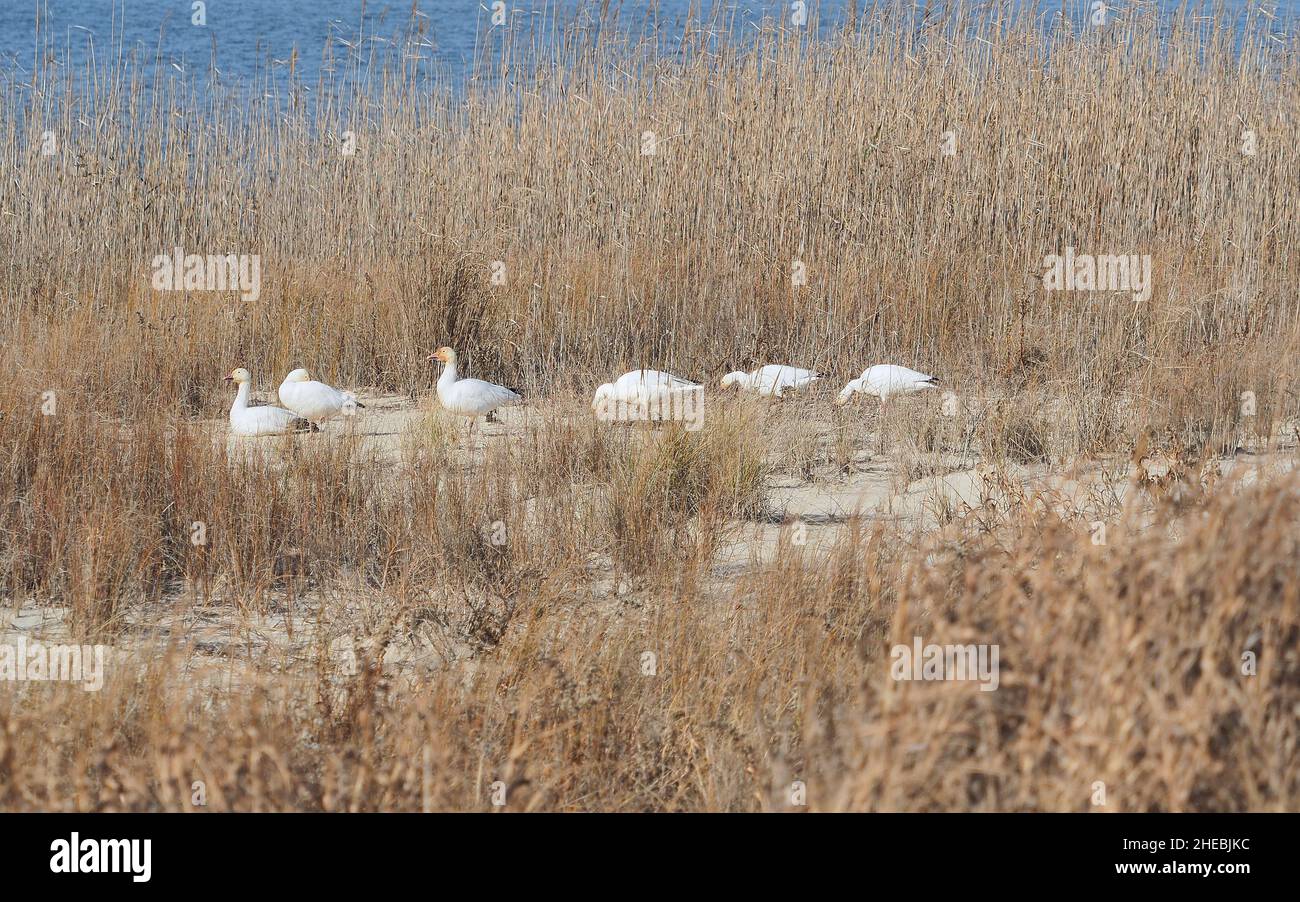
pixel 639 387
pixel 773 380
pixel 245 420
pixel 650 396
pixel 469 397
pixel 314 400
pixel 884 380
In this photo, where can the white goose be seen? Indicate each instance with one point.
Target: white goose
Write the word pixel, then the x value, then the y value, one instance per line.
pixel 314 400
pixel 773 380
pixel 640 387
pixel 266 420
pixel 469 397
pixel 885 380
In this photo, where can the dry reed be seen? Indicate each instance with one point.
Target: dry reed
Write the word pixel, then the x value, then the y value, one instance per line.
pixel 598 657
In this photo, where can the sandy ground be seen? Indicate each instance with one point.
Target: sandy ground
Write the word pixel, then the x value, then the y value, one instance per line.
pixel 222 646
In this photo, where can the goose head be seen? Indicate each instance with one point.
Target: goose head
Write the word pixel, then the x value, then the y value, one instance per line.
pixel 602 394
pixel 298 375
pixel 737 378
pixel 444 355
pixel 239 376
pixel 849 391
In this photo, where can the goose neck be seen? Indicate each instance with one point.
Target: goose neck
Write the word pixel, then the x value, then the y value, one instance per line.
pixel 448 376
pixel 241 398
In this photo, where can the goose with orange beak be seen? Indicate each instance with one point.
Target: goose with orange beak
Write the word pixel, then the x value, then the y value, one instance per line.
pixel 469 397
pixel 265 420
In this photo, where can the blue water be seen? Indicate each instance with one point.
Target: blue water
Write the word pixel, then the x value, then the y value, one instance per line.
pixel 245 39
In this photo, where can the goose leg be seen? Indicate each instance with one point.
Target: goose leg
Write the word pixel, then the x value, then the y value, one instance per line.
pixel 880 426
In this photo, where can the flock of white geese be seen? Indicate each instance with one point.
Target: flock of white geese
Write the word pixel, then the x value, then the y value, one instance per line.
pixel 309 403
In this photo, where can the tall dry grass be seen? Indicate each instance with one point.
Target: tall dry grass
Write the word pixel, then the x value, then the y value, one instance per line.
pixel 1121 662
pixel 767 153
pixel 1120 665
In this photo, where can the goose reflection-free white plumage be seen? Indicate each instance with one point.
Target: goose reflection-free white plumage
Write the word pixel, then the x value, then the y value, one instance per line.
pixel 314 400
pixel 265 420
pixel 773 380
pixel 468 397
pixel 641 387
pixel 885 380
